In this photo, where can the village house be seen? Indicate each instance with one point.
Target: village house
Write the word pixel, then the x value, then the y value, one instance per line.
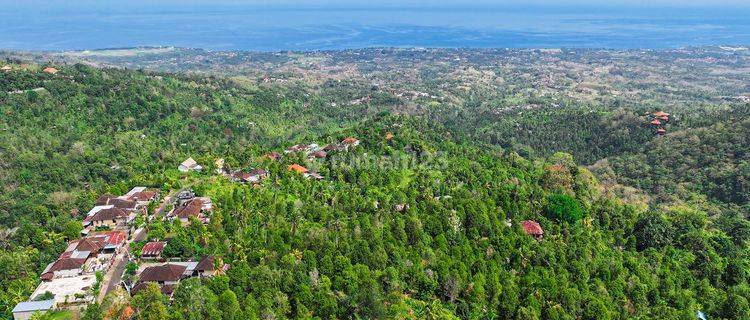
pixel 66 267
pixel 113 240
pixel 141 195
pixel 296 148
pixel 153 250
pixel 143 198
pixel 78 257
pixel 661 114
pixel 197 207
pixel 532 228
pixel 6 68
pixel 320 154
pixel 206 267
pixel 298 169
pixel 50 70
pixel 67 290
pixel 254 176
pixel 122 202
pixel 349 142
pixel 110 218
pixel 25 310
pixel 185 195
pixel 330 148
pixel 166 276
pixel 188 165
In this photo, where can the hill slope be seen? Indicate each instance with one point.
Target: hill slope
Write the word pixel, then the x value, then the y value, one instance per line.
pixel 411 227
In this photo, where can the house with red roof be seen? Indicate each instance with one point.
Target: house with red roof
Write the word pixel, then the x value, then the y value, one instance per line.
pixel 153 250
pixel 532 228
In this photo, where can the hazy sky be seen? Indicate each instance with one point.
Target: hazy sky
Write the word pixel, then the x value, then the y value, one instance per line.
pixel 376 3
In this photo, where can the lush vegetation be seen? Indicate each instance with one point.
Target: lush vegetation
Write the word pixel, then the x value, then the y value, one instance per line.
pixel 425 225
pixel 712 160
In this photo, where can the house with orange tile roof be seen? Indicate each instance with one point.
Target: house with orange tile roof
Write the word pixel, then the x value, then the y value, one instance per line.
pixel 298 168
pixel 50 70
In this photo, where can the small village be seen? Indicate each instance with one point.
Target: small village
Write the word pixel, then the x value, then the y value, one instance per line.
pixel 659 122
pixel 95 264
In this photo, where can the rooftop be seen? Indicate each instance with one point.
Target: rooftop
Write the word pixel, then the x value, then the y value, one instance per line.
pixel 34 305
pixel 532 227
pixel 165 272
pixel 153 248
pixel 66 287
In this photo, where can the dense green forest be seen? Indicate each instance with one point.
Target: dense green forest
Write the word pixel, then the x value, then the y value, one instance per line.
pixel 709 160
pixel 423 225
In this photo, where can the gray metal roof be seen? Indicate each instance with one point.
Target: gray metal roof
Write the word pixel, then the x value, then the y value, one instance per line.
pixel 27 306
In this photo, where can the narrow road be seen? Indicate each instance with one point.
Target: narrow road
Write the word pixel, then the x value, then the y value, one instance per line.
pixel 140 235
pixel 115 275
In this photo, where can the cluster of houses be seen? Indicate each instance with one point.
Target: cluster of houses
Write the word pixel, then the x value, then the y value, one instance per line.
pixel 314 152
pixel 255 176
pixel 68 280
pixel 117 212
pixel 167 274
pixel 48 70
pixel 659 121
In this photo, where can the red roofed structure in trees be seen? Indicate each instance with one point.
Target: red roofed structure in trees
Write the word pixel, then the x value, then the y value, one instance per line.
pixel 298 168
pixel 532 228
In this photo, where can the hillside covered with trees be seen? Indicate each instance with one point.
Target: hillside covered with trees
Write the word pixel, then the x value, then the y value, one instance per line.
pixel 421 220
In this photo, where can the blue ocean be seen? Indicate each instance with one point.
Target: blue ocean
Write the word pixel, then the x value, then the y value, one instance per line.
pixel 65 25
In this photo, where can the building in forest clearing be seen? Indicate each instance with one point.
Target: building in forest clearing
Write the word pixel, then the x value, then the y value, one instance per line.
pixel 189 165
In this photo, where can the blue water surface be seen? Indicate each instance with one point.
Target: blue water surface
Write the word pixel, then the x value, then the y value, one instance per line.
pixel 66 25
